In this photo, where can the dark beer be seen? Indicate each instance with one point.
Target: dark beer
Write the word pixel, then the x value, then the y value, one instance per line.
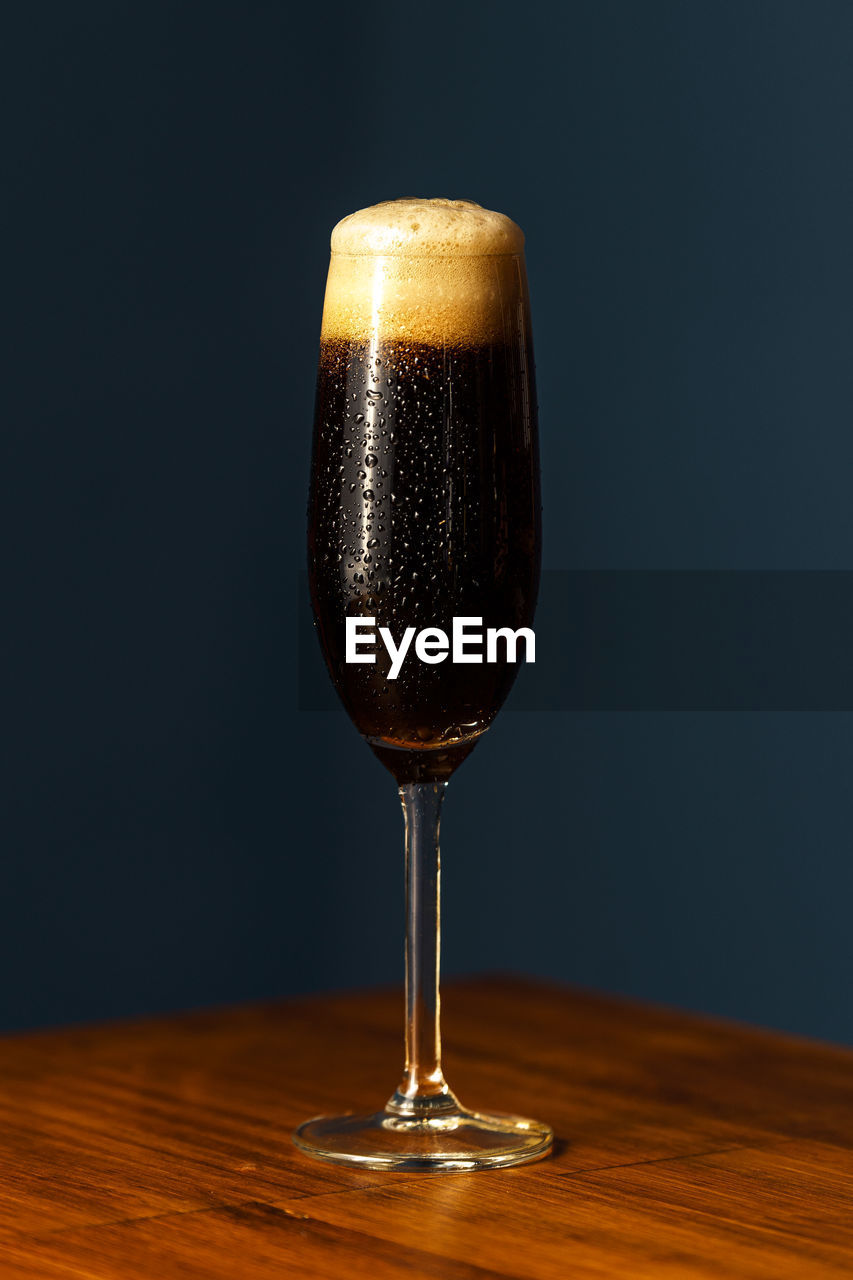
pixel 425 507
pixel 424 523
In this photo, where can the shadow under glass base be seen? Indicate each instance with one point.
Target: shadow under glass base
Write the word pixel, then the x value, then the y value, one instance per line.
pixel 455 1141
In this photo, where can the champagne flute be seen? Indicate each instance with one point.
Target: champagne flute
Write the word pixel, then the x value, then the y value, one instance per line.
pixel 424 509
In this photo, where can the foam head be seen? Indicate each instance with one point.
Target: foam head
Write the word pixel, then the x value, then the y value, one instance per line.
pixel 435 271
pixel 430 228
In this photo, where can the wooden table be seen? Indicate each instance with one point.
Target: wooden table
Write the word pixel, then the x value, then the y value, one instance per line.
pixel 161 1149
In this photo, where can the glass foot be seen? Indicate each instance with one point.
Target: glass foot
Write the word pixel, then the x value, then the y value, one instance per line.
pixel 459 1140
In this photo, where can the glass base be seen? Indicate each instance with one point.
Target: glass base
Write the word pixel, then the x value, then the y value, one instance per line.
pixel 455 1141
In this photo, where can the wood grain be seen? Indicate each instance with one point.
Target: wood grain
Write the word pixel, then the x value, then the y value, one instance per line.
pixel 686 1148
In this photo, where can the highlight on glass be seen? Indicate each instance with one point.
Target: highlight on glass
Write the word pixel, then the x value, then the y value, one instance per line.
pixel 424 520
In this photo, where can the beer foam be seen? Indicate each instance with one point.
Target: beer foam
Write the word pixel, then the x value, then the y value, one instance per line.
pixel 433 271
pixel 432 228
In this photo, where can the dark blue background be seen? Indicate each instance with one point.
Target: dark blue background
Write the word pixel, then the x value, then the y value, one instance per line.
pixel 175 830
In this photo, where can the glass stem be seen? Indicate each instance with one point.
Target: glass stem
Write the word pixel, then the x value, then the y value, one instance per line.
pixel 423 1091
